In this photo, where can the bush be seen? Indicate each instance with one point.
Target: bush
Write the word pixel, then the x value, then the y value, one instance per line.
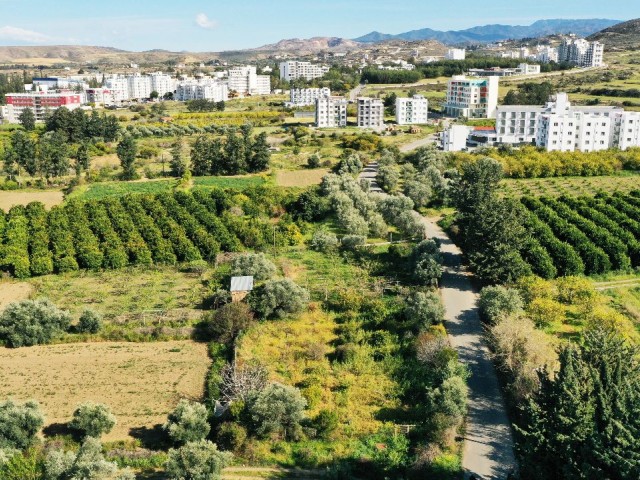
pixel 19 424
pixel 93 419
pixel 199 460
pixel 424 309
pixel 426 261
pixel 90 322
pixel 277 298
pixel 224 324
pixel 231 436
pixel 325 423
pixel 313 161
pixel 323 241
pixel 32 322
pixel 187 423
pixel 499 302
pixel 351 242
pixel 253 264
pixel 278 409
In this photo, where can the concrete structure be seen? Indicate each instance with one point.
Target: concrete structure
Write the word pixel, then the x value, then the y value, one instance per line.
pixel 206 89
pixel 300 97
pixel 240 288
pixel 139 86
pixel 528 69
pixel 293 70
pixel 162 83
pixel 547 54
pixel 41 102
pixel 412 110
pixel 454 139
pixel 455 54
pixel 472 97
pixel 118 86
pixel 331 112
pixel 370 113
pixel 245 81
pixel 100 96
pixel 580 52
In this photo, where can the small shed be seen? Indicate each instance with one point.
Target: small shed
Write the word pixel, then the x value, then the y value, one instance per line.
pixel 240 288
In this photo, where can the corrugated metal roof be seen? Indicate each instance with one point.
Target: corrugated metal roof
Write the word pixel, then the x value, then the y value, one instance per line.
pixel 241 284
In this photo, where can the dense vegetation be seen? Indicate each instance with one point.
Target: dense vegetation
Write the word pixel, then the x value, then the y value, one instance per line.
pixel 529 93
pixel 447 68
pixel 375 75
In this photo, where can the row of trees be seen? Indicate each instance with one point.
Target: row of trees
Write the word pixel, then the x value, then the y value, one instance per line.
pixel 447 68
pixel 376 75
pixel 78 126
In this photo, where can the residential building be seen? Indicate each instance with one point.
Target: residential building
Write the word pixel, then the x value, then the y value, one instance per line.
pixel 454 139
pixel 300 97
pixel 245 81
pixel 119 87
pixel 162 83
pixel 370 113
pixel 528 69
pixel 517 124
pixel 100 96
pixel 331 112
pixel 580 52
pixel 547 54
pixel 455 54
pixel 412 110
pixel 205 89
pixel 472 97
pixel 41 102
pixel 139 86
pixel 293 70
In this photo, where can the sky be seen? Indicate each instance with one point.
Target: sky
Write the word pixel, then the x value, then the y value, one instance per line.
pixel 217 25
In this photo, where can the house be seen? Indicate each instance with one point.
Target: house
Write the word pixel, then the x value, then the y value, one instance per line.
pixel 240 288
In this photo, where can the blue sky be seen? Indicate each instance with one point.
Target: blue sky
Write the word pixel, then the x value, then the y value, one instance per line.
pixel 215 25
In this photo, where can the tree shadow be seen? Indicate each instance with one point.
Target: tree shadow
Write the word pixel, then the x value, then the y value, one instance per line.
pixel 61 430
pixel 154 438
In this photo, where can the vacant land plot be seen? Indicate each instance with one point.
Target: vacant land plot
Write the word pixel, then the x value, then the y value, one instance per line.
pixel 300 178
pixel 20 197
pixel 13 292
pixel 557 186
pixel 141 382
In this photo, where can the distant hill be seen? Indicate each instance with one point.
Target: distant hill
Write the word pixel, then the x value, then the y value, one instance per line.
pixel 623 36
pixel 311 45
pixel 494 33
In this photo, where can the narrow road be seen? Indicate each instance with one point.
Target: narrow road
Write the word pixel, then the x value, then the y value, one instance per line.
pixel 422 142
pixel 488 443
pixel 369 173
pixel 355 93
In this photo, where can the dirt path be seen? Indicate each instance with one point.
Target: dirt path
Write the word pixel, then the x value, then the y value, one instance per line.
pixel 488 443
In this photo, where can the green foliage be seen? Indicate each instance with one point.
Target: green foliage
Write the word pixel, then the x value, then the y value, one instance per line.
pixel 277 298
pixel 22 466
pixel 498 302
pixel 278 409
pixel 324 241
pixel 187 423
pixel 203 105
pixel 423 309
pixel 375 75
pixel 325 423
pixel 93 419
pixel 32 322
pixel 77 126
pixel 27 119
pixel 127 151
pixel 225 324
pixel 231 436
pixel 19 424
pixel 256 265
pixel 426 263
pixel 529 93
pixel 200 460
pixel 90 322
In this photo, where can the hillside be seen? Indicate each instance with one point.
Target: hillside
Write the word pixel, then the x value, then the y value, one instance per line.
pixel 311 45
pixel 493 33
pixel 623 36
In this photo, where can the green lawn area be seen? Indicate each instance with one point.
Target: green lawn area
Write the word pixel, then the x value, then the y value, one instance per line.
pixel 557 186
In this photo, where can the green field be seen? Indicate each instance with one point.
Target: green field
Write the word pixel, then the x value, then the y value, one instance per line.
pixel 557 186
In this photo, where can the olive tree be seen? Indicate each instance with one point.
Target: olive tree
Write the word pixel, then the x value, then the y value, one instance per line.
pixel 32 322
pixel 19 424
pixel 93 419
pixel 253 264
pixel 90 322
pixel 277 409
pixel 499 302
pixel 424 309
pixel 199 460
pixel 225 324
pixel 323 241
pixel 188 423
pixel 276 298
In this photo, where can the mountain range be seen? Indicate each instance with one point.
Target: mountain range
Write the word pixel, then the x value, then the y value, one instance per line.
pixel 494 33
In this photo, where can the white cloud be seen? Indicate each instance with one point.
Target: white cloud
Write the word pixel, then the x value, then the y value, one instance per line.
pixel 21 35
pixel 203 21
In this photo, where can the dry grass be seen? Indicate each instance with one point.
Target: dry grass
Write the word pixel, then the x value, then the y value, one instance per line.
pixel 141 382
pixel 300 178
pixel 13 291
pixel 19 197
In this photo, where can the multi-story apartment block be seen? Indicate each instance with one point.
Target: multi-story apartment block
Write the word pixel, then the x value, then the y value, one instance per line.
pixel 202 90
pixel 100 96
pixel 41 102
pixel 547 54
pixel 299 97
pixel 162 83
pixel 293 70
pixel 455 54
pixel 119 87
pixel 412 110
pixel 370 113
pixel 517 124
pixel 331 112
pixel 139 86
pixel 580 52
pixel 472 97
pixel 528 69
pixel 245 81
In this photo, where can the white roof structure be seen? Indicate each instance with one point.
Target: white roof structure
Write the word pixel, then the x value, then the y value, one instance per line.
pixel 241 284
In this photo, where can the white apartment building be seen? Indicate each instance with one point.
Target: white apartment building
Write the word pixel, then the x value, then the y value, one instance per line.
pixel 454 139
pixel 202 90
pixel 370 113
pixel 331 112
pixel 455 54
pixel 300 97
pixel 245 81
pixel 517 124
pixel 547 54
pixel 119 87
pixel 139 86
pixel 293 70
pixel 472 97
pixel 100 96
pixel 580 52
pixel 162 83
pixel 528 69
pixel 412 110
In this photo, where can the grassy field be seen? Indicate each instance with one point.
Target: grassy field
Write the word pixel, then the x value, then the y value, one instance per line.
pixel 557 186
pixel 9 198
pixel 300 178
pixel 141 382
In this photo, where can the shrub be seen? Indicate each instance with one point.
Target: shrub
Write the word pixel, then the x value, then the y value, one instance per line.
pixel 424 309
pixel 325 423
pixel 426 261
pixel 313 161
pixel 32 322
pixel 187 423
pixel 277 298
pixel 231 436
pixel 351 242
pixel 19 424
pixel 253 264
pixel 90 322
pixel 93 419
pixel 224 324
pixel 200 460
pixel 278 409
pixel 323 241
pixel 499 302
pixel 545 312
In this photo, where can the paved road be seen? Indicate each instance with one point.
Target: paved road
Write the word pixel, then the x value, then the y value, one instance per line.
pixel 422 142
pixel 355 93
pixel 488 445
pixel 369 172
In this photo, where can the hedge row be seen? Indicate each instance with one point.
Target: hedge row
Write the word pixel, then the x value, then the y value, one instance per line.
pixel 15 250
pixel 114 254
pixel 40 256
pixel 137 250
pixel 88 251
pixel 64 252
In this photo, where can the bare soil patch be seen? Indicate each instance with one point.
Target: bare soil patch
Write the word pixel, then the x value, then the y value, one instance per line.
pixel 300 178
pixel 141 382
pixel 18 197
pixel 13 292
